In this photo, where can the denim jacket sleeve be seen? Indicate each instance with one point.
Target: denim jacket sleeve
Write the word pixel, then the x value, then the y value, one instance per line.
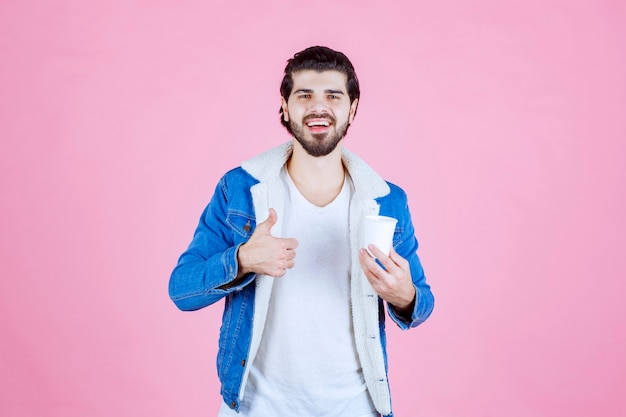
pixel 210 261
pixel 406 245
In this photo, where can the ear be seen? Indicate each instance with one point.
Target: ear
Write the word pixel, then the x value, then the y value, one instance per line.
pixel 283 104
pixel 353 107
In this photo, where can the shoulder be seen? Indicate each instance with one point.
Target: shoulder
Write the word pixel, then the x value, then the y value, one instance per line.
pixel 394 204
pixel 238 176
pixel 395 189
pixel 235 181
pixel 396 195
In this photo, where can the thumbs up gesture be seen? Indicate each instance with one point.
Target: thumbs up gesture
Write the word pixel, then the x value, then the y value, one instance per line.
pixel 266 254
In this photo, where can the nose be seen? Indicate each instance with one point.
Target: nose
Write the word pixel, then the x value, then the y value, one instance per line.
pixel 318 105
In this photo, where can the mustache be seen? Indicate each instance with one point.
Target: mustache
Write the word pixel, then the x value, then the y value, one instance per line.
pixel 323 116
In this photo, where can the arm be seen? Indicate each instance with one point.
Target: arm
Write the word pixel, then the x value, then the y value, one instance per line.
pixel 401 282
pixel 210 263
pixel 223 257
pixel 423 303
pixel 409 298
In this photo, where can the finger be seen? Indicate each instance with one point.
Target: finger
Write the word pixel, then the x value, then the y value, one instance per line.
pixel 369 265
pixel 289 243
pixel 378 284
pixel 279 273
pixel 365 258
pixel 287 255
pixel 376 252
pixel 269 222
pixel 399 260
pixel 387 263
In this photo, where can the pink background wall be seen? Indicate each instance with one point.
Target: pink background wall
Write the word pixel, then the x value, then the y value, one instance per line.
pixel 504 121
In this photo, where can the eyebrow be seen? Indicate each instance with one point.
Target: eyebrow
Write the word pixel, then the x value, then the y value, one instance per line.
pixel 308 91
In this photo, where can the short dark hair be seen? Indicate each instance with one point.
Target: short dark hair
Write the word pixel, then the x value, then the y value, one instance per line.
pixel 318 58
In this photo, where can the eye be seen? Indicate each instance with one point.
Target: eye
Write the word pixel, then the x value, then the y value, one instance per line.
pixel 334 97
pixel 304 96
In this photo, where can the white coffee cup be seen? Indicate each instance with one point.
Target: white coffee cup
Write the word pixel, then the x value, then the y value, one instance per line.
pixel 378 231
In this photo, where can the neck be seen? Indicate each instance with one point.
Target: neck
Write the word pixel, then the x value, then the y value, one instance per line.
pixel 320 178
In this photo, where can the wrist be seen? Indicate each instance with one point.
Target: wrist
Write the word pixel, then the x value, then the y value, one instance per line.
pixel 241 261
pixel 405 309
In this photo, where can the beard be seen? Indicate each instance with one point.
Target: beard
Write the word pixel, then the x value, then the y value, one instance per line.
pixel 320 144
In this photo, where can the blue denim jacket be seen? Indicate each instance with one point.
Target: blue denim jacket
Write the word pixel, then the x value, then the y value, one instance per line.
pixel 207 270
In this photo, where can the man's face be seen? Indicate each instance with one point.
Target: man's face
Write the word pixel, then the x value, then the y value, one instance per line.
pixel 319 110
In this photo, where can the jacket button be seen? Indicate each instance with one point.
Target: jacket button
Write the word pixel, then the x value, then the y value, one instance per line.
pixel 243 362
pixel 232 404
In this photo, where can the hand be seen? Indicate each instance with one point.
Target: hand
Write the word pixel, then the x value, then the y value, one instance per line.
pixel 266 254
pixel 394 283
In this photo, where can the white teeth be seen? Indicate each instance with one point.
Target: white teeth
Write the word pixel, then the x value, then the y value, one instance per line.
pixel 321 123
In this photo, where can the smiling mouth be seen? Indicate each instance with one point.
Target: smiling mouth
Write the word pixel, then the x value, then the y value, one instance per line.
pixel 320 123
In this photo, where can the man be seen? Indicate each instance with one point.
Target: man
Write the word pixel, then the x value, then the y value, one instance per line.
pixel 304 336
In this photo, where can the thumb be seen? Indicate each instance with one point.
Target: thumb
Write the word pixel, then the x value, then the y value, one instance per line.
pixel 395 256
pixel 270 221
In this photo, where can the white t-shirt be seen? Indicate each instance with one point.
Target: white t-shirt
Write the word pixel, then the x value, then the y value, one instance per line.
pixel 307 364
